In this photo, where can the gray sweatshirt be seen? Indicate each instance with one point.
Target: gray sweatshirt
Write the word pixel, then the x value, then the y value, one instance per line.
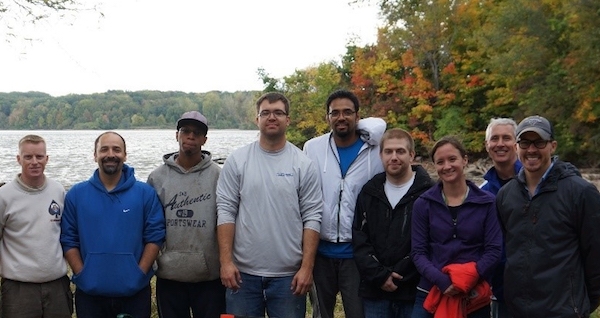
pixel 30 249
pixel 271 197
pixel 190 253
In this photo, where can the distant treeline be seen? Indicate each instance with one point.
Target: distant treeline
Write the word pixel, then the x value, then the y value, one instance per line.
pixel 124 110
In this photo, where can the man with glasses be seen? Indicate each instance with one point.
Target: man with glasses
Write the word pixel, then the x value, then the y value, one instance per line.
pixel 551 221
pixel 269 214
pixel 347 157
pixel 188 265
pixel 500 143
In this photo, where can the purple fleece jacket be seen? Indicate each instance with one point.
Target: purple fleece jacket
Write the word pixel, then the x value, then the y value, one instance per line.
pixel 478 236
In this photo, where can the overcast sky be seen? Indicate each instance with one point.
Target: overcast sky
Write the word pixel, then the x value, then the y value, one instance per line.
pixel 184 45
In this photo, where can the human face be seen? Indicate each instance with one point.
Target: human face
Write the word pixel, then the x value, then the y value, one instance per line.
pixel 534 159
pixel 502 146
pixel 342 126
pixel 396 158
pixel 191 139
pixel 33 159
pixel 110 154
pixel 272 126
pixel 449 164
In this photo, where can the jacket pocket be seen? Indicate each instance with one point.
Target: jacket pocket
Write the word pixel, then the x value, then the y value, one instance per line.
pixel 112 275
pixel 180 266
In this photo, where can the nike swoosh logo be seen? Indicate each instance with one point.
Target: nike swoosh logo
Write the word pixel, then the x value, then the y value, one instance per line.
pixel 125 210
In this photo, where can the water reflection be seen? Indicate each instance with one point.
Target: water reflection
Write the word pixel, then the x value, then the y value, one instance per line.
pixel 71 152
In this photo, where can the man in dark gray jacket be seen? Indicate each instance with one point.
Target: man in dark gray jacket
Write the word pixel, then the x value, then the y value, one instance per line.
pixel 551 221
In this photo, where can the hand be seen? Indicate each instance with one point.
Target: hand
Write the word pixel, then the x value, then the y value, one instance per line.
pixel 451 291
pixel 302 281
pixel 389 285
pixel 230 276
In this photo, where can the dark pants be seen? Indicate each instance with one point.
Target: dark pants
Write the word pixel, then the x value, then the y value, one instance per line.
pixel 89 306
pixel 52 299
pixel 333 275
pixel 175 299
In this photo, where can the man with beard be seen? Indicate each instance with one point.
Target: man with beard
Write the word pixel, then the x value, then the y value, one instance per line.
pixel 33 270
pixel 188 264
pixel 112 229
pixel 550 218
pixel 347 158
pixel 501 145
pixel 269 212
pixel 381 231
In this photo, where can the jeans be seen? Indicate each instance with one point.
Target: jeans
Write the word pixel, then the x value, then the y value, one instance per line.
pixel 258 294
pixel 175 299
pixel 381 308
pixel 337 274
pixel 420 312
pixel 90 306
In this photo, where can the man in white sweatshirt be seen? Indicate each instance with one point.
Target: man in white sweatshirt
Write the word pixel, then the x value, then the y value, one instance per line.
pixel 347 158
pixel 33 270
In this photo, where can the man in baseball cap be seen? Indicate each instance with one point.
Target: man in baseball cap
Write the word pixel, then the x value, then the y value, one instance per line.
pixel 550 218
pixel 187 278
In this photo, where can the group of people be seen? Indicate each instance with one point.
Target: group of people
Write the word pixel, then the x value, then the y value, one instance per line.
pixel 351 213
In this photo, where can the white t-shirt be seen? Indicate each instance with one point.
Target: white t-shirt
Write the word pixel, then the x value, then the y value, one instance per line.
pixel 395 193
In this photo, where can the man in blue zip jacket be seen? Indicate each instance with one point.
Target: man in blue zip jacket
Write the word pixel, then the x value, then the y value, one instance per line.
pixel 501 145
pixel 112 229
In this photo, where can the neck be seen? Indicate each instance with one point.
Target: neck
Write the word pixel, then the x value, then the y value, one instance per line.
pixel 399 180
pixel 110 181
pixel 187 162
pixel 37 182
pixel 271 144
pixel 505 170
pixel 455 193
pixel 345 141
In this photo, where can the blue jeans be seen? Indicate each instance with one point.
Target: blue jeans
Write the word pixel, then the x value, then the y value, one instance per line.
pixel 420 312
pixel 380 308
pixel 272 294
pixel 333 275
pixel 175 299
pixel 90 306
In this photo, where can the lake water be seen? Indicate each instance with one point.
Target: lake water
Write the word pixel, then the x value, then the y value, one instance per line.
pixel 71 152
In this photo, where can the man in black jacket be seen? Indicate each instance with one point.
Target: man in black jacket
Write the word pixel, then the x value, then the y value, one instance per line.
pixel 551 221
pixel 381 230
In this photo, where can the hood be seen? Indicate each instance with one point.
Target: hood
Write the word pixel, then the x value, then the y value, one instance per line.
pixel 126 182
pixel 169 160
pixel 371 130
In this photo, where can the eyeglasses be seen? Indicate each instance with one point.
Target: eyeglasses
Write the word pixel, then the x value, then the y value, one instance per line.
pixel 539 143
pixel 187 131
pixel 336 113
pixel 278 113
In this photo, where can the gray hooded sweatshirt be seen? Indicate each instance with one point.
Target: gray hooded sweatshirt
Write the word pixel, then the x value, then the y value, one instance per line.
pixel 190 253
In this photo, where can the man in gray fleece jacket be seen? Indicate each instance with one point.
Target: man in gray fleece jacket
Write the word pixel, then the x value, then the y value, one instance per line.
pixel 188 265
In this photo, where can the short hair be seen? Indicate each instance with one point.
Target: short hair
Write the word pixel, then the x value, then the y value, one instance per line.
pixel 449 140
pixel 106 133
pixel 32 139
pixel 342 93
pixel 273 97
pixel 397 133
pixel 498 122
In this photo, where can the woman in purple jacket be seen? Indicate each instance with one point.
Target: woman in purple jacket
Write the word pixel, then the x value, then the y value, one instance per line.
pixel 454 222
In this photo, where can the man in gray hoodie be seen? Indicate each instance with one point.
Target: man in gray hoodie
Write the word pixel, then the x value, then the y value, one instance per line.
pixel 188 264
